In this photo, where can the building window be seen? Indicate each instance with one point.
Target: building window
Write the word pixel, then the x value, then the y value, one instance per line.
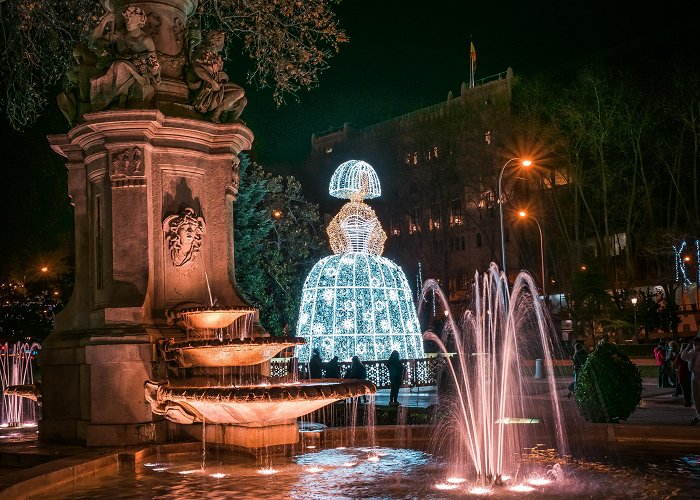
pixel 464 281
pixel 478 240
pixel 456 218
pixel 407 158
pixel 414 221
pixel 556 178
pixel 487 137
pixel 415 158
pixel 395 225
pixel 435 151
pixel 434 221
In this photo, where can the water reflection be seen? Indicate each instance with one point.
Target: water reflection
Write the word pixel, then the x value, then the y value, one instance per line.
pixel 399 474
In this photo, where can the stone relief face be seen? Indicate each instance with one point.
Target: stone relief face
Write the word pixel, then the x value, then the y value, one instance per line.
pixel 183 234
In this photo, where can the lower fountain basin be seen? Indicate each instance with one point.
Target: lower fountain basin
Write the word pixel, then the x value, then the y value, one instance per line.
pixel 259 405
pixel 231 352
pixel 29 391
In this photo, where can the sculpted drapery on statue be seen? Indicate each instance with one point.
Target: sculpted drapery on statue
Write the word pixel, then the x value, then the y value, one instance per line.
pixel 135 72
pixel 214 93
pixel 73 103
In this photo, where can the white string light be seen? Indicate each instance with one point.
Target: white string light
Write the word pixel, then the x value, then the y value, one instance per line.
pixel 355 179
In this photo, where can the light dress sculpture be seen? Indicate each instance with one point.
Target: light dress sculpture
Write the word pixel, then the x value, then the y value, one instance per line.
pixel 356 302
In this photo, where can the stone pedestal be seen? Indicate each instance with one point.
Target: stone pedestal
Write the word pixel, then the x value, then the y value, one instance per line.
pixel 153 199
pixel 249 437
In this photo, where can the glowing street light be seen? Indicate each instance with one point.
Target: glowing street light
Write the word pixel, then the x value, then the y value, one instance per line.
pixel 523 214
pixel 634 305
pixel 524 163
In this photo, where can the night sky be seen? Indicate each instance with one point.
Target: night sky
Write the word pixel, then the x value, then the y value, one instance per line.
pixel 406 55
pixel 401 56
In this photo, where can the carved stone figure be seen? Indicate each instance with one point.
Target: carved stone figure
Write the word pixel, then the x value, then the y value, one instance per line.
pixel 183 234
pixel 126 163
pixel 75 102
pixel 213 92
pixel 135 72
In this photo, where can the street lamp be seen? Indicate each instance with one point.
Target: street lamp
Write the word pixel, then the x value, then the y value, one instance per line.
pixel 40 271
pixel 524 163
pixel 634 304
pixel 524 214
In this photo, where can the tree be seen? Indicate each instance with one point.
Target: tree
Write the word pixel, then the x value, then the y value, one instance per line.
pixel 288 41
pixel 277 241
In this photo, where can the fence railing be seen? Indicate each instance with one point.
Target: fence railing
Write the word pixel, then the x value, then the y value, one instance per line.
pixel 417 372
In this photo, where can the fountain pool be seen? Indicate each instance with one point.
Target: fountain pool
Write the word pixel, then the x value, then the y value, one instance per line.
pixel 386 472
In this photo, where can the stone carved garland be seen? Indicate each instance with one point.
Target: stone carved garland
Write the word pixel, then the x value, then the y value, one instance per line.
pixel 183 234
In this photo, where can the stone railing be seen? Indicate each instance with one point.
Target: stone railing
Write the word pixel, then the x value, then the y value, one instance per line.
pixel 417 372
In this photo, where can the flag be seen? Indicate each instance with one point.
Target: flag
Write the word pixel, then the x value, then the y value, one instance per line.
pixel 472 64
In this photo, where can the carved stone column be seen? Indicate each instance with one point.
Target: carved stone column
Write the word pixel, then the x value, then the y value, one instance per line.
pixel 154 219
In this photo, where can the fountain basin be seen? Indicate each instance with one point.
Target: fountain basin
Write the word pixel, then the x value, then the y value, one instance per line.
pixel 260 405
pixel 29 391
pixel 229 352
pixel 210 318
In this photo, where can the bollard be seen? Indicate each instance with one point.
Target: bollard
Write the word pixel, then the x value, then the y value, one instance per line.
pixel 538 368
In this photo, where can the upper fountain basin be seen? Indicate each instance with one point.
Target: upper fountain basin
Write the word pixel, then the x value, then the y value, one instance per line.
pixel 210 317
pixel 229 352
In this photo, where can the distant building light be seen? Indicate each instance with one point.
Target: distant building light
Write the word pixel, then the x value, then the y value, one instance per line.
pixel 329 150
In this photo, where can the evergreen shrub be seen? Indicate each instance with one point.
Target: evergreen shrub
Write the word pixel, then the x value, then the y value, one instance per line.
pixel 609 387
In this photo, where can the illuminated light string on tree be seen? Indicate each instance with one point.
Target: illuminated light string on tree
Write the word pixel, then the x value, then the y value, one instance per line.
pixel 419 282
pixel 697 261
pixel 357 302
pixel 681 274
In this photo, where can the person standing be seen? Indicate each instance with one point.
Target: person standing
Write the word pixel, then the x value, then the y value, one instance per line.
pixel 332 368
pixel 315 365
pixel 692 357
pixel 672 351
pixel 578 359
pixel 357 371
pixel 660 355
pixel 683 377
pixel 395 367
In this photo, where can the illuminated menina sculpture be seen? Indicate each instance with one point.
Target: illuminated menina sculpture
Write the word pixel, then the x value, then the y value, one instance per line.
pixel 357 302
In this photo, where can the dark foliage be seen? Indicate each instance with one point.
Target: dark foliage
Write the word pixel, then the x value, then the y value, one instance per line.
pixel 609 387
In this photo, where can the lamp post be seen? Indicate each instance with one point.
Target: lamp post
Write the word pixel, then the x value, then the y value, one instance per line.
pixel 525 163
pixel 37 271
pixel 634 305
pixel 524 214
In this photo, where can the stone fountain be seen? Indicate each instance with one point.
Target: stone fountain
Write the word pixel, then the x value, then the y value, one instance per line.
pixel 153 176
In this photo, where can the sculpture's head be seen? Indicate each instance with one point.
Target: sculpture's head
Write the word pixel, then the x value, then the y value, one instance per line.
pixel 184 236
pixel 134 18
pixel 215 40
